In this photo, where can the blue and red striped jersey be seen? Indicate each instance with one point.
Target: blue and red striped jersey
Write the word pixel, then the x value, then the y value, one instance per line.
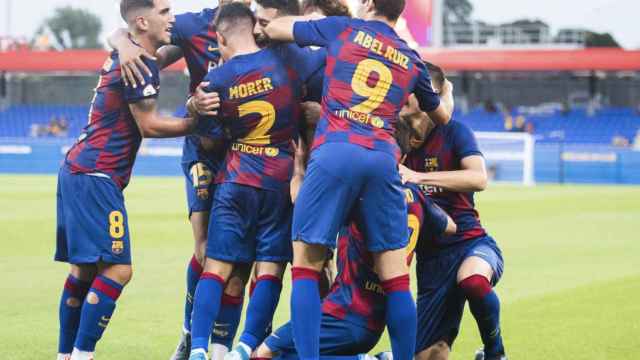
pixel 369 75
pixel 356 295
pixel 443 150
pixel 260 106
pixel 110 141
pixel 195 34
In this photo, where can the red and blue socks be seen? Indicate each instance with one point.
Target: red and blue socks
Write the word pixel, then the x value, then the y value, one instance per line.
pixel 401 317
pixel 228 320
pixel 306 312
pixel 485 307
pixel 71 301
pixel 206 306
pixel 262 306
pixel 96 316
pixel 194 271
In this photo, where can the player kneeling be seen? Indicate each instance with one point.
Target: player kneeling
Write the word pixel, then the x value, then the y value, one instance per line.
pixel 354 313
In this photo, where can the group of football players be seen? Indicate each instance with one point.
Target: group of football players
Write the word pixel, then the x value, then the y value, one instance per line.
pixel 306 130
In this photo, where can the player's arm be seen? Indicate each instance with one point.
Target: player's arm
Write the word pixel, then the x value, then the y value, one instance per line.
pixel 472 177
pixel 440 106
pixel 299 168
pixel 153 125
pixel 131 57
pixel 443 113
pixel 306 30
pixel 438 221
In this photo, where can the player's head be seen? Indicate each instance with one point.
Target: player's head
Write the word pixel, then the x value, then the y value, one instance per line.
pixel 225 2
pixel 151 19
pixel 326 7
pixel 388 9
pixel 234 25
pixel 267 10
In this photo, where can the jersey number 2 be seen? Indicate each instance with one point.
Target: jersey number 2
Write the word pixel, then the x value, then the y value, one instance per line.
pixel 259 135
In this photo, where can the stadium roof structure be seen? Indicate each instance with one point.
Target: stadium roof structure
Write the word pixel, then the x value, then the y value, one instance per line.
pixel 597 59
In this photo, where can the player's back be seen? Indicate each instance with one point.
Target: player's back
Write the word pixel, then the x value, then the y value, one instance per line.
pixel 443 150
pixel 260 107
pixel 369 76
pixel 109 142
pixel 195 34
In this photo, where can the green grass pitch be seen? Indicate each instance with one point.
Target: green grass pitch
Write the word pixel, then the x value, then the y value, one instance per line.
pixel 570 289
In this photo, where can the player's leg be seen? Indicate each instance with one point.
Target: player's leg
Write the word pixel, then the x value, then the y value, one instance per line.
pixel 437 351
pixel 383 211
pixel 95 232
pixel 74 292
pixel 206 304
pixel 231 221
pixel 480 270
pixel 273 251
pixel 327 194
pixel 262 306
pixel 401 316
pixel 226 324
pixel 78 281
pixel 98 307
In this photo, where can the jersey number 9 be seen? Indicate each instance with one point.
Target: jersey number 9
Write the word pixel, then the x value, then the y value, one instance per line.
pixel 362 80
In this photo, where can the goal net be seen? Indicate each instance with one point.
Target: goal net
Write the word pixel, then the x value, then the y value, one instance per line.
pixel 509 156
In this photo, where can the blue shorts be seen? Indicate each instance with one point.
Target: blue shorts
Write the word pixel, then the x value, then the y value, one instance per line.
pixel 440 302
pixel 199 186
pixel 92 223
pixel 342 178
pixel 249 224
pixel 337 337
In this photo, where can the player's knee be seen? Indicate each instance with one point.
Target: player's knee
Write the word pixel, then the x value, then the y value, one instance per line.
pixel 73 302
pixel 121 274
pixel 310 256
pixel 437 351
pixel 475 286
pixel 235 286
pixel 263 352
pixel 391 264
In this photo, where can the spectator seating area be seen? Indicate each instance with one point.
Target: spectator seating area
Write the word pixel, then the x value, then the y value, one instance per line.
pixel 575 126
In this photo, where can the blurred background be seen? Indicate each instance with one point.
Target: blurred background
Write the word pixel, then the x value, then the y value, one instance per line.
pixel 552 87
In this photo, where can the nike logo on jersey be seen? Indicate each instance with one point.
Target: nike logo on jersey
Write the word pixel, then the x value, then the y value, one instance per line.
pixel 212 49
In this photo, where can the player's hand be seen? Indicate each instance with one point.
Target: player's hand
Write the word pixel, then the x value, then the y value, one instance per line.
pixel 408 175
pixel 312 111
pixel 131 63
pixel 447 87
pixel 204 103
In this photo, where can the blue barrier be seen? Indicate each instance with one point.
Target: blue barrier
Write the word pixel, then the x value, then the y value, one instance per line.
pixel 44 156
pixel 554 163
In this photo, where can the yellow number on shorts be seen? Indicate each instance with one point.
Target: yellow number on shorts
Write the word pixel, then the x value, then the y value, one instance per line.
pixel 201 175
pixel 259 136
pixel 116 224
pixel 414 226
pixel 375 95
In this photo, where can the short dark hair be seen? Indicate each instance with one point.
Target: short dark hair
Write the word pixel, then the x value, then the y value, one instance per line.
pixel 437 75
pixel 328 7
pixel 391 9
pixel 233 14
pixel 126 6
pixel 284 7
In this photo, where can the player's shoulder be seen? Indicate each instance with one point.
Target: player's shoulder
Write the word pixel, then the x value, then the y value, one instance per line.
pixel 456 127
pixel 195 21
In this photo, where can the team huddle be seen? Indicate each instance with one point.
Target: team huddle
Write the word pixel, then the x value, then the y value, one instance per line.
pixel 311 137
